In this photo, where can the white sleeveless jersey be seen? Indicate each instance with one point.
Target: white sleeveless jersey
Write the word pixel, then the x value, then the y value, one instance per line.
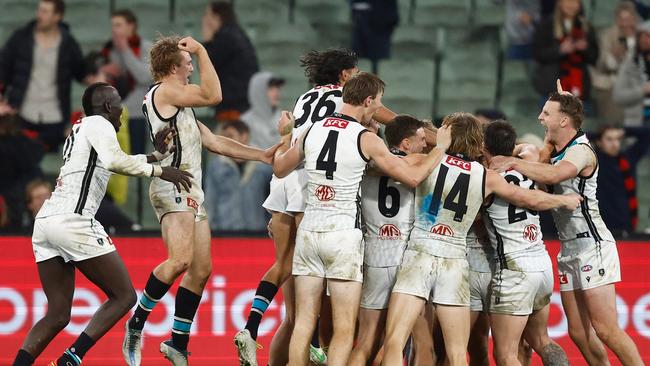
pixel 187 141
pixel 584 227
pixel 515 233
pixel 480 254
pixel 335 165
pixel 88 154
pixel 446 204
pixel 387 211
pixel 313 106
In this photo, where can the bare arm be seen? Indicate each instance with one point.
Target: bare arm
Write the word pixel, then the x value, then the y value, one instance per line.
pixel 528 152
pixel 384 115
pixel 208 93
pixel 286 161
pixel 527 198
pixel 228 147
pixel 539 172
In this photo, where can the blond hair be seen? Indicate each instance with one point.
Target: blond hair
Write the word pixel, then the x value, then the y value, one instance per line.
pixel 164 55
pixel 466 135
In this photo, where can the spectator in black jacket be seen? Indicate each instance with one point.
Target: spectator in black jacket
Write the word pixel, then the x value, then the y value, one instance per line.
pixel 233 56
pixel 616 194
pixel 563 46
pixel 37 65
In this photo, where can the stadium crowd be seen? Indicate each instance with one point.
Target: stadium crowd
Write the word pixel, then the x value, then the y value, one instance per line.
pixel 607 68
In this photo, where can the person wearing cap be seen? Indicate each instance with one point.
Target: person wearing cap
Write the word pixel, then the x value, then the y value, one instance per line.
pixel 632 86
pixel 264 92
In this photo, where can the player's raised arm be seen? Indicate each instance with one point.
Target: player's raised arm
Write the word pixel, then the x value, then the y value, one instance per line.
pixel 408 171
pixel 228 147
pixel 527 198
pixel 183 94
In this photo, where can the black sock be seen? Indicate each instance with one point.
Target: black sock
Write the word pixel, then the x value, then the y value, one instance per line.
pixel 23 358
pixel 314 336
pixel 263 296
pixel 187 302
pixel 77 351
pixel 153 292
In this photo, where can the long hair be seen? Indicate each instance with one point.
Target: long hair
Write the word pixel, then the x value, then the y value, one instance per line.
pixel 466 135
pixel 558 24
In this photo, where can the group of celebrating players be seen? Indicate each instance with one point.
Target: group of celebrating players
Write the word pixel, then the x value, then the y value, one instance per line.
pixel 373 242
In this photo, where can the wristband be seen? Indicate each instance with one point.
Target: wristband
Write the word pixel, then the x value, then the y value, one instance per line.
pixel 156 170
pixel 160 156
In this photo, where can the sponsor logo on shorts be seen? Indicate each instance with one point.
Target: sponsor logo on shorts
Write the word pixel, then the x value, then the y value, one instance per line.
pixel 465 165
pixel 192 203
pixel 389 231
pixel 588 278
pixel 325 193
pixel 100 241
pixel 586 268
pixel 335 122
pixel 563 278
pixel 110 241
pixel 442 229
pixel 601 272
pixel 530 232
pixel 178 200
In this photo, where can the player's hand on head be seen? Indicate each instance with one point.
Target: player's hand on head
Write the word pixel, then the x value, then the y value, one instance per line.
pixel 501 163
pixel 572 201
pixel 286 123
pixel 190 45
pixel 443 137
pixel 560 90
pixel 177 177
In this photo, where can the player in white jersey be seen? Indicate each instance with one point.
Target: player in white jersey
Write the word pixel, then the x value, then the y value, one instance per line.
pixel 434 263
pixel 522 282
pixel 588 263
pixel 183 220
pixel 328 71
pixel 66 234
pixel 387 211
pixel 329 247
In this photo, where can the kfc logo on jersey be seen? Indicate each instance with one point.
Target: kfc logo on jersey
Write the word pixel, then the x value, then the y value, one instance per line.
pixel 442 229
pixel 335 122
pixel 563 279
pixel 192 203
pixel 389 231
pixel 454 161
pixel 325 193
pixel 530 232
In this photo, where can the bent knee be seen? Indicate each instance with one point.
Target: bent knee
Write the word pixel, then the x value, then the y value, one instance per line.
pixel 605 332
pixel 58 320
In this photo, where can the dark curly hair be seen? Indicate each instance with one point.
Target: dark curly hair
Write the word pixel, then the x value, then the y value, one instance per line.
pixel 323 68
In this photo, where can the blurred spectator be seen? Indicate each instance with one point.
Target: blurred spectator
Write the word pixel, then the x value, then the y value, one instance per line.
pixel 19 165
pixel 521 17
pixel 642 8
pixel 233 56
pixel 614 44
pixel 617 197
pixel 37 65
pixel 36 192
pixel 632 85
pixel 373 22
pixel 563 46
pixel 236 189
pixel 263 116
pixel 486 115
pixel 127 69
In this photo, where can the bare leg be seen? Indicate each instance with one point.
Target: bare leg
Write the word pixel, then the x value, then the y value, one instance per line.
pixel 423 341
pixel 109 274
pixel 478 339
pixel 371 332
pixel 199 270
pixel 57 280
pixel 326 326
pixel 438 341
pixel 601 306
pixel 507 331
pixel 308 298
pixel 454 321
pixel 581 331
pixel 178 235
pixel 345 296
pixel 403 311
pixel 279 348
pixel 536 334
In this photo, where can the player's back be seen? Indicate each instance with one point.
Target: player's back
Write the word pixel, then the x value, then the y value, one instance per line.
pixel 187 141
pixel 335 165
pixel 83 178
pixel 314 105
pixel 446 204
pixel 388 215
pixel 515 233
